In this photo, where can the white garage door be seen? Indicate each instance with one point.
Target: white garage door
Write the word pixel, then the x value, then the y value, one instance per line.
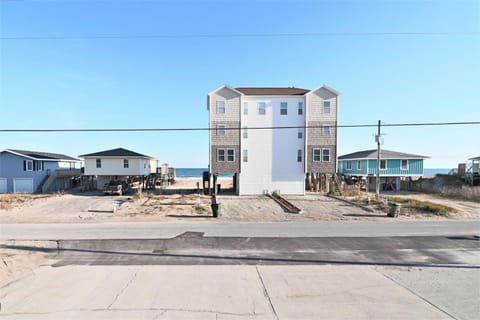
pixel 3 185
pixel 23 185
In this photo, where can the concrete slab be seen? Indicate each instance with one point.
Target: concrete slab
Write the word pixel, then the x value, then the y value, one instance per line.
pixel 341 292
pixel 160 292
pixel 456 291
pixel 239 292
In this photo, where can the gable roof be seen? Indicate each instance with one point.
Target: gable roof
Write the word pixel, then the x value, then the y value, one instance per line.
pixel 385 154
pixel 289 91
pixel 38 155
pixel 118 152
pixel 335 92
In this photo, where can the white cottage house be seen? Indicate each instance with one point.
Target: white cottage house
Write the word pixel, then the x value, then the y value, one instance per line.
pixel 117 164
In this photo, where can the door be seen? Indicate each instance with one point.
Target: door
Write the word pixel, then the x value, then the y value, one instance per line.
pixel 23 185
pixel 3 185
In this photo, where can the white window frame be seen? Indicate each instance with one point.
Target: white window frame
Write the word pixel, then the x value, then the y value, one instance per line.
pixel 221 107
pixel 299 155
pixel 385 166
pixel 348 165
pixel 219 155
pixel 28 165
pixel 221 131
pixel 326 107
pixel 245 155
pixel 402 167
pixel 323 155
pixel 245 108
pixel 233 155
pixel 326 131
pixel 359 164
pixel 317 154
pixel 126 164
pixel 245 132
pixel 98 163
pixel 300 109
pixel 283 108
pixel 262 108
pixel 300 133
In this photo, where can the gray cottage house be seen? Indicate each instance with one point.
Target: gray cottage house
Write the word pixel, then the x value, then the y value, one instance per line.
pixel 32 171
pixel 394 167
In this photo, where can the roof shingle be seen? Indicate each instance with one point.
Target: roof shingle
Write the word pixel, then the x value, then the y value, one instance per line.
pixel 118 152
pixel 291 91
pixel 385 154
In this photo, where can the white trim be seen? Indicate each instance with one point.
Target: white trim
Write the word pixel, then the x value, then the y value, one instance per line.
pixel 335 92
pixel 225 87
pixel 401 167
pixel 39 159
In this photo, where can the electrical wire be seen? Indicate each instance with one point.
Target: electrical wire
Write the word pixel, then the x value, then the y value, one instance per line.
pixel 238 128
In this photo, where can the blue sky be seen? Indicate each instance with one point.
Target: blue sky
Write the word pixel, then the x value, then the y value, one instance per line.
pixel 146 64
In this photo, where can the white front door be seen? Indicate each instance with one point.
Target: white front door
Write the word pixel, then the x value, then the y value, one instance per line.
pixel 23 185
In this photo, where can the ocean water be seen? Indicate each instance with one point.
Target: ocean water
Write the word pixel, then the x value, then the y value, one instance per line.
pixel 196 173
pixel 434 171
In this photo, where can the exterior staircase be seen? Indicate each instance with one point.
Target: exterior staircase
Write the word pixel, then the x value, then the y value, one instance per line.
pixel 60 173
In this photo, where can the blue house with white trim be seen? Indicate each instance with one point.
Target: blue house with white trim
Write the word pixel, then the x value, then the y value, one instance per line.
pixel 31 171
pixel 394 167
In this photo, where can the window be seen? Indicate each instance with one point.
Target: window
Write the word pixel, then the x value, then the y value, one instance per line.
pixel 27 165
pixel 359 165
pixel 404 165
pixel 300 133
pixel 326 155
pixel 300 108
pixel 316 155
pixel 299 155
pixel 245 132
pixel 220 155
pixel 326 106
pixel 220 107
pixel 383 164
pixel 326 131
pixel 230 155
pixel 349 164
pixel 283 108
pixel 245 108
pixel 220 130
pixel 125 163
pixel 262 108
pixel 245 155
pixel 99 163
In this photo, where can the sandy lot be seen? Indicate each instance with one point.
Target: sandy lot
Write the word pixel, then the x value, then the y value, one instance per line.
pixel 181 202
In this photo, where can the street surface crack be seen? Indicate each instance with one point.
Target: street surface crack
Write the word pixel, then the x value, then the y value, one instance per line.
pixel 123 289
pixel 265 293
pixel 416 294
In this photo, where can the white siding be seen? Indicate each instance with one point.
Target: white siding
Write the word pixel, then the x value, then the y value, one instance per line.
pixel 272 154
pixel 114 167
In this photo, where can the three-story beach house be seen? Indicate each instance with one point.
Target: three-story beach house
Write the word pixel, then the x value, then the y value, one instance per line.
pixel 269 138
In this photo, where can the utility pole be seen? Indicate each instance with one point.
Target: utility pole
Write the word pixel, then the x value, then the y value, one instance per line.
pixel 377 180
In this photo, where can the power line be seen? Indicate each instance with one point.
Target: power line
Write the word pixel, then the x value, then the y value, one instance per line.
pixel 239 35
pixel 236 128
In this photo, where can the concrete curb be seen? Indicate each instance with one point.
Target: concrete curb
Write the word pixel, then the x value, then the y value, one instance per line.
pixel 351 202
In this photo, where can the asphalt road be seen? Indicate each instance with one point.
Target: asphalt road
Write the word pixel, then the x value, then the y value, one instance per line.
pixel 166 230
pixel 193 276
pixel 193 248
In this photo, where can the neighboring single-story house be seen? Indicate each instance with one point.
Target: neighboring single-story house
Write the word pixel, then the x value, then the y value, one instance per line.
pixel 32 171
pixel 117 164
pixel 394 167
